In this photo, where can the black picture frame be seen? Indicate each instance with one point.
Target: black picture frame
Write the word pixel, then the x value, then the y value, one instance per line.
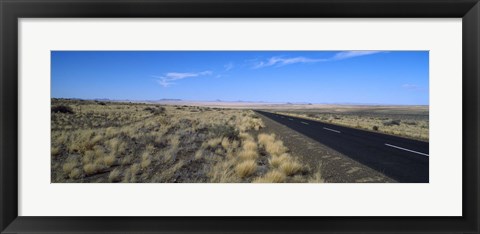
pixel 11 11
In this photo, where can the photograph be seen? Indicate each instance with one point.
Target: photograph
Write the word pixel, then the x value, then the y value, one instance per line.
pixel 275 116
pixel 351 116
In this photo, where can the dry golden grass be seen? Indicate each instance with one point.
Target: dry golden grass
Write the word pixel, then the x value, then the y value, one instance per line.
pixel 75 173
pixel 415 126
pixel 113 143
pixel 249 145
pixel 212 143
pixel 235 144
pixel 250 122
pixel 170 155
pixel 69 166
pixel 246 168
pixel 170 172
pixel 146 161
pixel 109 160
pixel 276 148
pixel 199 154
pixel 271 177
pixel 127 142
pixel 290 167
pixel 99 153
pixel 248 155
pixel 272 146
pixel 134 169
pixel 130 175
pixel 222 172
pixel 88 156
pixel 265 139
pixel 245 136
pixel 281 162
pixel 317 178
pixel 55 151
pixel 91 168
pixel 277 161
pixel 114 175
pixel 249 150
pixel 127 160
pixel 225 143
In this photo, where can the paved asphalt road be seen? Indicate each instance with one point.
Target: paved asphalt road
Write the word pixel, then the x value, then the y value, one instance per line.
pixel 401 159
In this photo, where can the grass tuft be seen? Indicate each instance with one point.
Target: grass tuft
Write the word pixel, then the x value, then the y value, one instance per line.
pixel 75 173
pixel 246 168
pixel 114 175
pixel 109 160
pixel 91 168
pixel 290 167
pixel 276 161
pixel 69 166
pixel 272 146
pixel 274 176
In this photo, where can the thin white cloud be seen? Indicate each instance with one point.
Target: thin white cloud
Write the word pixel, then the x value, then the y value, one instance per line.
pixel 163 83
pixel 411 87
pixel 167 79
pixel 352 54
pixel 280 61
pixel 229 66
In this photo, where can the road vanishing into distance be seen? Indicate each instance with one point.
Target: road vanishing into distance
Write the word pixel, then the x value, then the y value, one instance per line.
pixel 404 160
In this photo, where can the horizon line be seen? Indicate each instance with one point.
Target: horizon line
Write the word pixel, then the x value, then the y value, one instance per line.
pixel 240 101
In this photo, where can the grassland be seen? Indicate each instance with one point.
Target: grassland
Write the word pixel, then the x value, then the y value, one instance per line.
pixel 93 141
pixel 405 121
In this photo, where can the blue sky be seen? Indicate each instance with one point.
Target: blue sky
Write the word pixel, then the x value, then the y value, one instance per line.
pixel 361 77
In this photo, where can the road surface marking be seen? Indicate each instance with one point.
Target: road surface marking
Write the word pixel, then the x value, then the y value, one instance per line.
pixel 304 123
pixel 290 119
pixel 405 149
pixel 282 117
pixel 329 129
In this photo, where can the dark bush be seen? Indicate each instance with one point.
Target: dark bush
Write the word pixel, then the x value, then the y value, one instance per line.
pixel 62 109
pixel 410 122
pixel 224 131
pixel 375 128
pixel 392 122
pixel 156 111
pixel 184 123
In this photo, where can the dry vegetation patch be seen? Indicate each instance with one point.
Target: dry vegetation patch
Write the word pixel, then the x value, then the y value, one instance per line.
pixel 138 143
pixel 407 122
